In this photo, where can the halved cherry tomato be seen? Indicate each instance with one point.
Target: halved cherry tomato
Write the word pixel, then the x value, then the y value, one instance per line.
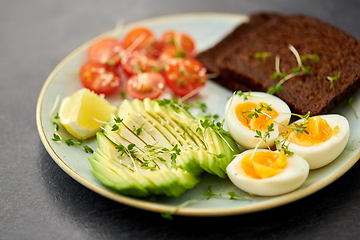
pixel 139 38
pixel 185 76
pixel 106 51
pixel 99 77
pixel 145 85
pixel 181 40
pixel 171 51
pixel 138 62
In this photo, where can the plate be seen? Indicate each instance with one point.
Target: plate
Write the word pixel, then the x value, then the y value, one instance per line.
pixel 207 29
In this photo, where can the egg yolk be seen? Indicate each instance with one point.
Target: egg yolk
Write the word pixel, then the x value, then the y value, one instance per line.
pixel 261 165
pixel 261 122
pixel 318 130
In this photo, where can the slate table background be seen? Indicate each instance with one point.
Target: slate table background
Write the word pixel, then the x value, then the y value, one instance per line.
pixel 38 200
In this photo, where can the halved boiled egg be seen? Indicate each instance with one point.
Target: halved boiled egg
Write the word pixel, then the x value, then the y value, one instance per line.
pixel 243 118
pixel 325 138
pixel 267 173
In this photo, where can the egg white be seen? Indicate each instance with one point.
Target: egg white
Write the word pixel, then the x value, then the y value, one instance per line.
pixel 243 135
pixel 324 153
pixel 292 177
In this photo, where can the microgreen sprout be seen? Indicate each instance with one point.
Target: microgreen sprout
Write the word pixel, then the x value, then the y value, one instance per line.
pixel 138 130
pixel 217 127
pixel 197 104
pixel 115 127
pixel 262 56
pixel 300 70
pixel 169 214
pixel 263 135
pixel 297 128
pixel 71 142
pixel 130 150
pixel 156 151
pixel 241 94
pixel 212 116
pixel 332 79
pixel 172 103
pixel 146 163
pixel 313 57
pixel 231 195
pixel 283 145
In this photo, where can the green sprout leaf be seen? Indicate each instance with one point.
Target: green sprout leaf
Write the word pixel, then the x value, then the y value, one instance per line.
pixel 231 195
pixel 332 79
pixel 56 137
pixel 262 56
pixel 296 71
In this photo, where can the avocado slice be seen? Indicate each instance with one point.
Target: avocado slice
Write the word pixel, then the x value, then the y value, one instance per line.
pixel 136 119
pixel 182 122
pixel 189 161
pixel 156 124
pixel 136 182
pixel 160 181
pixel 115 180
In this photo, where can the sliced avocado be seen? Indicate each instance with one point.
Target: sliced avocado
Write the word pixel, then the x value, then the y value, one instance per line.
pixel 173 183
pixel 212 160
pixel 128 174
pixel 129 135
pixel 187 123
pixel 203 158
pixel 119 182
pixel 132 117
pixel 164 116
pixel 219 148
pixel 162 128
pixel 107 167
pixel 156 184
pixel 189 161
pixel 137 128
pixel 167 134
pixel 230 147
pixel 186 179
pixel 108 147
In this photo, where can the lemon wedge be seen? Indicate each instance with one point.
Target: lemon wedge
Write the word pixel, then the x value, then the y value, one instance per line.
pixel 82 113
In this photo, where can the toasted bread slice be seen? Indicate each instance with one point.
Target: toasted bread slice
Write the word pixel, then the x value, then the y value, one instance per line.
pixel 234 59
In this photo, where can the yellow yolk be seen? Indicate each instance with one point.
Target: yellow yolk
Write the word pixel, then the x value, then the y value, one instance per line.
pixel 255 123
pixel 261 165
pixel 319 132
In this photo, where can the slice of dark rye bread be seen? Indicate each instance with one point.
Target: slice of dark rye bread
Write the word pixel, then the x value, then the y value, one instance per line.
pixel 233 59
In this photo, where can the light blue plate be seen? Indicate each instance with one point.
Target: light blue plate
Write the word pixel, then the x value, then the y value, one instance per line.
pixel 207 29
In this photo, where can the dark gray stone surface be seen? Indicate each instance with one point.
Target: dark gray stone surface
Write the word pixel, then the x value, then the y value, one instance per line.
pixel 38 200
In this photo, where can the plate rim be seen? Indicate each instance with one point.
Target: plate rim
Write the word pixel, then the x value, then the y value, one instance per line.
pixel 158 207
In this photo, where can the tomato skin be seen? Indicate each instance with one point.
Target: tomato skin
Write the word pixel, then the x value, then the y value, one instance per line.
pixel 106 50
pixel 171 51
pixel 185 75
pixel 98 77
pixel 152 85
pixel 181 40
pixel 138 59
pixel 144 36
